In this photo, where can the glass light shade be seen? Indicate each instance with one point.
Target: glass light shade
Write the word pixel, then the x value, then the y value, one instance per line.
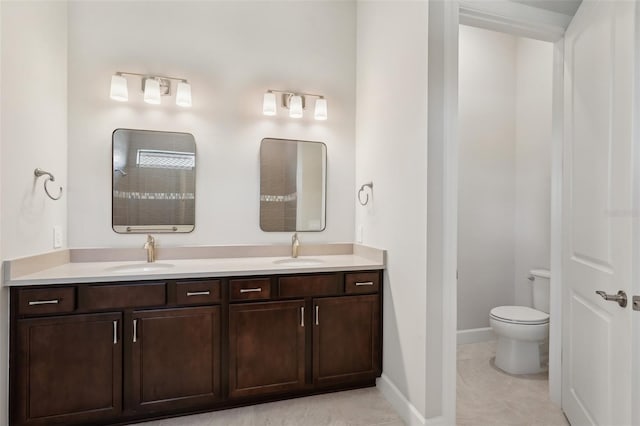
pixel 295 106
pixel 119 90
pixel 321 109
pixel 152 91
pixel 269 104
pixel 183 94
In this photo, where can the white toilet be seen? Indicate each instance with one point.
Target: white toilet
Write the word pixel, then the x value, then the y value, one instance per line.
pixel 522 331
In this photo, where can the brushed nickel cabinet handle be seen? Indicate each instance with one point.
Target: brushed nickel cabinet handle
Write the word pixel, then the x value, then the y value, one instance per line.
pixel 44 302
pixel 302 316
pixel 317 315
pixel 251 290
pixel 364 283
pixel 198 293
pixel 135 330
pixel 115 332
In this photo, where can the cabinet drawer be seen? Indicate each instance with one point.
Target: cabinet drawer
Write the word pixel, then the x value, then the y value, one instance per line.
pixel 197 292
pixel 362 282
pixel 250 288
pixel 122 296
pixel 46 301
pixel 308 285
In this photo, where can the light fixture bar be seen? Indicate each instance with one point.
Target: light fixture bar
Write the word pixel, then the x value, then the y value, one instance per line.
pixel 288 92
pixel 150 75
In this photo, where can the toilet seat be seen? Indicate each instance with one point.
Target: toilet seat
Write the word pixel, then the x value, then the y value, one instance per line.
pixel 519 315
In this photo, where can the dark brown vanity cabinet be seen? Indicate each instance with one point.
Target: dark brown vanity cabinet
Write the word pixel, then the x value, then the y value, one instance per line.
pixel 67 370
pixel 330 335
pixel 117 353
pixel 266 348
pixel 175 358
pixel 346 339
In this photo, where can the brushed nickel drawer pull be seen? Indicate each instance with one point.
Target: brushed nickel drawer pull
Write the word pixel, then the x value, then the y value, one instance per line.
pixel 302 316
pixel 364 283
pixel 44 302
pixel 115 332
pixel 198 293
pixel 317 315
pixel 135 330
pixel 251 290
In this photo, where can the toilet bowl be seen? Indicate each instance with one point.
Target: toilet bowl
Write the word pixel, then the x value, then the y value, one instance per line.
pixel 523 331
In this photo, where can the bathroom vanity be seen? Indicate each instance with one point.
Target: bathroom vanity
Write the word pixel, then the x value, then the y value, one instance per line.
pixel 107 351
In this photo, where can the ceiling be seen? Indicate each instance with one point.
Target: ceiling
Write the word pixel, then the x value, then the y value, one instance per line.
pixel 565 7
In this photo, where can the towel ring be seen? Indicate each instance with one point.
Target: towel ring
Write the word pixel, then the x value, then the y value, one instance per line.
pixel 362 190
pixel 39 172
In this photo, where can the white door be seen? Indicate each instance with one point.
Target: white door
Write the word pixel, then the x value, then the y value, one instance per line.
pixel 598 219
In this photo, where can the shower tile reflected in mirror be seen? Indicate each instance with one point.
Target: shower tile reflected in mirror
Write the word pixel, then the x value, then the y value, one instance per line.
pixel 153 181
pixel 293 177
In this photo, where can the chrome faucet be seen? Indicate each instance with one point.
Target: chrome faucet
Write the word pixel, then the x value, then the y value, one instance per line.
pixel 150 247
pixel 295 245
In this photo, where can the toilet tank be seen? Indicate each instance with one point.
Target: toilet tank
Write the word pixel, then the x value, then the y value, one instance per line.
pixel 541 289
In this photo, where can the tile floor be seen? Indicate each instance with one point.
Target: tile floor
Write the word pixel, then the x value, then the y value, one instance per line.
pixel 486 397
pixel 490 397
pixel 361 407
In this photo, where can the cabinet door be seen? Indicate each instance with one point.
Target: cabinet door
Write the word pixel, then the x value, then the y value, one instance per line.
pixel 68 369
pixel 175 358
pixel 266 348
pixel 346 339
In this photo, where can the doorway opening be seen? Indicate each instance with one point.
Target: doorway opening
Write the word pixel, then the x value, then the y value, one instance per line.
pixel 505 98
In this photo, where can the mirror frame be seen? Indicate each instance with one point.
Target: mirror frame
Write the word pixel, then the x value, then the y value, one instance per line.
pixel 324 184
pixel 146 229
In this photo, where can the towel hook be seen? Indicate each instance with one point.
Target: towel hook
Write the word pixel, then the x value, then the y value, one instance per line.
pixel 39 172
pixel 362 190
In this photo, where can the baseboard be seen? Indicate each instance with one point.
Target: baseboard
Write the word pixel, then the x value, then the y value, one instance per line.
pixel 405 409
pixel 475 335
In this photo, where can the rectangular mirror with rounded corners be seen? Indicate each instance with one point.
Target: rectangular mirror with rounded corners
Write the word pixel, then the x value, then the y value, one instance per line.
pixel 293 176
pixel 154 181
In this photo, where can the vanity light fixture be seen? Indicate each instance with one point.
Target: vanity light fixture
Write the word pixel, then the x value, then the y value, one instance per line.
pixel 153 87
pixel 119 90
pixel 320 112
pixel 151 91
pixel 295 106
pixel 183 94
pixel 269 103
pixel 295 102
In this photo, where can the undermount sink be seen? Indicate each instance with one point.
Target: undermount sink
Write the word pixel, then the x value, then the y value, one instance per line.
pixel 299 261
pixel 141 267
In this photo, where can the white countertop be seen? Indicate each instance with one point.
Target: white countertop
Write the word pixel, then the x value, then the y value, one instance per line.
pixel 90 272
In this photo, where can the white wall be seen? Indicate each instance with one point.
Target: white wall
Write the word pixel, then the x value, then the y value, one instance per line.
pixel 33 133
pixel 34 123
pixel 391 151
pixel 505 169
pixel 4 292
pixel 533 163
pixel 231 52
pixel 487 114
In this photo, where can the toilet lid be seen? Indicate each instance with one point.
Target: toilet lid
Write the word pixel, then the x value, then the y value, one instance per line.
pixel 519 315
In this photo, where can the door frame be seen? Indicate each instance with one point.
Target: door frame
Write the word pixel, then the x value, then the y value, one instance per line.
pixel 442 227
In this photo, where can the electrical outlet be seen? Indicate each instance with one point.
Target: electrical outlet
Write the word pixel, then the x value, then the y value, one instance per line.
pixel 57 236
